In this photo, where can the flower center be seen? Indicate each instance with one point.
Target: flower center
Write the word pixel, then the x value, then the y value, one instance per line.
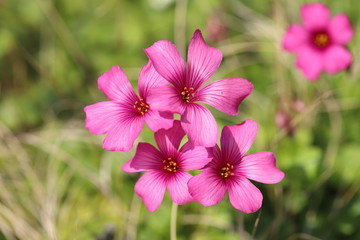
pixel 187 95
pixel 141 106
pixel 170 165
pixel 226 171
pixel 321 40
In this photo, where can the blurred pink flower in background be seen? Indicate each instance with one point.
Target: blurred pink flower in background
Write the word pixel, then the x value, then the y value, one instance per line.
pixel 166 167
pixel 216 28
pixel 122 118
pixel 285 115
pixel 230 170
pixel 187 88
pixel 283 121
pixel 319 42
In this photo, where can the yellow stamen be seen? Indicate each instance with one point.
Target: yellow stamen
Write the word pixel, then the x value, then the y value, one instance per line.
pixel 225 171
pixel 170 165
pixel 141 106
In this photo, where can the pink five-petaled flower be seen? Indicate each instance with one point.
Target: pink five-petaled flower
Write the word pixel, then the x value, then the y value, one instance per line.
pixel 319 42
pixel 186 88
pixel 230 170
pixel 166 167
pixel 122 118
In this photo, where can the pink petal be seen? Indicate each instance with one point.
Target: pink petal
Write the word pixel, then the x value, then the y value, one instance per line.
pixel 116 86
pixel 315 16
pixel 226 94
pixel 217 161
pixel 169 140
pixel 244 196
pixel 200 126
pixel 123 135
pixel 158 120
pixel 101 117
pixel 310 61
pixel 336 59
pixel 167 62
pixel 178 188
pixel 151 188
pixel 261 167
pixel 195 158
pixel 203 60
pixel 117 120
pixel 340 29
pixel 186 147
pixel 147 157
pixel 127 168
pixel 207 188
pixel 148 79
pixel 236 140
pixel 294 38
pixel 166 99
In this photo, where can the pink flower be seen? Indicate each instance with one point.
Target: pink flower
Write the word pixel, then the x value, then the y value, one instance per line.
pixel 122 118
pixel 230 170
pixel 167 167
pixel 186 90
pixel 319 42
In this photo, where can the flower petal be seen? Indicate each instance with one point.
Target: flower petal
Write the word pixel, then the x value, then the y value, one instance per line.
pixel 186 147
pixel 116 86
pixel 159 120
pixel 226 94
pixel 169 140
pixel 207 188
pixel 119 121
pixel 217 161
pixel 203 61
pixel 236 140
pixel 336 59
pixel 200 125
pixel 315 16
pixel 147 157
pixel 244 196
pixel 195 158
pixel 166 99
pixel 127 168
pixel 167 62
pixel 178 188
pixel 148 79
pixel 123 135
pixel 340 29
pixel 151 188
pixel 294 38
pixel 101 117
pixel 261 167
pixel 310 61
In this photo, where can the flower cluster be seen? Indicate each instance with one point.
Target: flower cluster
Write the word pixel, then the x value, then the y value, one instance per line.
pixel 168 85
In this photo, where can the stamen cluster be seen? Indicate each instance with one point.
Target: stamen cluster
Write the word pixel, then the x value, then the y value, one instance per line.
pixel 170 165
pixel 141 106
pixel 187 95
pixel 226 171
pixel 321 40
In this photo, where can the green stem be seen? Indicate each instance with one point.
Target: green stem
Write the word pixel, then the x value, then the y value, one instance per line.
pixel 174 208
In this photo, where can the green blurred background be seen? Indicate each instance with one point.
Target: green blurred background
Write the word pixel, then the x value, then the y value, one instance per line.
pixel 56 182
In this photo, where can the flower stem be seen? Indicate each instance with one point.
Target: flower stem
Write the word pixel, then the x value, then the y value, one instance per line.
pixel 174 208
